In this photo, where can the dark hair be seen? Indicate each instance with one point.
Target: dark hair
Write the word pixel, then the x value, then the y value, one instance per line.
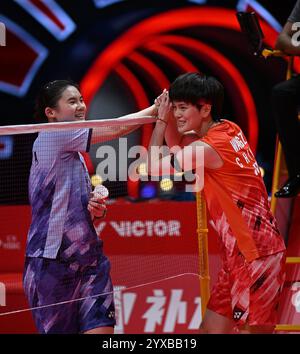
pixel 49 95
pixel 190 87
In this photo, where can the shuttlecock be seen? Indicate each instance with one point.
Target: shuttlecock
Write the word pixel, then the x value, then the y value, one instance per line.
pixel 101 192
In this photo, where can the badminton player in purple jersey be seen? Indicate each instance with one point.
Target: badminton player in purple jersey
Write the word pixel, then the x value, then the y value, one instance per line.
pixel 67 276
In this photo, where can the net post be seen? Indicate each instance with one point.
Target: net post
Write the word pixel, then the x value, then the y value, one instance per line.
pixel 202 233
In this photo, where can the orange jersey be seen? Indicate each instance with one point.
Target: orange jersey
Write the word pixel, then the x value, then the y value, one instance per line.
pixel 236 196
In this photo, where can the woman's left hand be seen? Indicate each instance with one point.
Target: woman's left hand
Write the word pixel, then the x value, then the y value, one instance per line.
pixel 96 206
pixel 164 108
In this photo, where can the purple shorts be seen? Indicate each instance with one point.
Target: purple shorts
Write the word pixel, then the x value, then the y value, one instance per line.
pixel 84 290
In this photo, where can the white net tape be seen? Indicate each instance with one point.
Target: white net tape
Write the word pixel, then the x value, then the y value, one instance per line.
pixel 103 123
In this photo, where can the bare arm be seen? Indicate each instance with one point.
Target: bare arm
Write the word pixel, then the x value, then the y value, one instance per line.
pixel 112 132
pixel 189 157
pixel 284 40
pixel 172 136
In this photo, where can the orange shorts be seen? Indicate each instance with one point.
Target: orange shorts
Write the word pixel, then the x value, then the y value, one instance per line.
pixel 250 292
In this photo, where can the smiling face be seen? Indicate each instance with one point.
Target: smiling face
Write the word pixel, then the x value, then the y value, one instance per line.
pixel 190 117
pixel 70 107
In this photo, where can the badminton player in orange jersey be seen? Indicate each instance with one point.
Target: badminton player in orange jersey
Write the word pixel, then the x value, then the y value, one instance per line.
pixel 246 296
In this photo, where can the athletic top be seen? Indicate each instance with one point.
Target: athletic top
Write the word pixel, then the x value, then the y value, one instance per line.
pixel 59 189
pixel 236 196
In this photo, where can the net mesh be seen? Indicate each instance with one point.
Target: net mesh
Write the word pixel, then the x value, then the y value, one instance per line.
pixel 150 240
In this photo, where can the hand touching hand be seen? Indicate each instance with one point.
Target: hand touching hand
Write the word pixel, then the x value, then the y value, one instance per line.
pixel 163 105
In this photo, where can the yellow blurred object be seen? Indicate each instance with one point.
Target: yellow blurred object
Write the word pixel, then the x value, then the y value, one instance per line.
pixel 262 171
pixel 166 184
pixel 272 53
pixel 287 328
pixel 142 170
pixel 96 179
pixel 293 260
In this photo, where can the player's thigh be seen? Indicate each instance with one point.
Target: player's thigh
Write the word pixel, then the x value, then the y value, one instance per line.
pixel 214 323
pixel 97 309
pixel 218 316
pixel 50 286
pixel 101 330
pixel 265 292
pixel 264 329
